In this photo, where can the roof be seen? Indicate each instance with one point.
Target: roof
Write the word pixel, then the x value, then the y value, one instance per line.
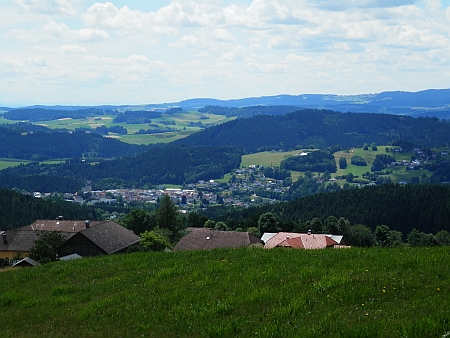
pixel 27 261
pixel 300 241
pixel 203 238
pixel 110 236
pixel 72 226
pixel 17 241
pixel 267 235
pixel 70 257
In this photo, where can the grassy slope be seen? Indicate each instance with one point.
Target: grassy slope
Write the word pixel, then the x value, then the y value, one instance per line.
pixel 400 292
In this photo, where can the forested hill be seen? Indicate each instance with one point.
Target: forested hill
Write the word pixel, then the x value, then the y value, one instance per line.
pixel 401 207
pixel 159 165
pixel 44 145
pixel 18 210
pixel 321 128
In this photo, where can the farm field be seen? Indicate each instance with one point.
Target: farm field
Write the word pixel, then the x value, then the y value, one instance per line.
pixel 182 125
pixel 182 122
pixel 401 292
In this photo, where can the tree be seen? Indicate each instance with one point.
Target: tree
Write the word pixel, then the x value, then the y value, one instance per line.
pixel 254 231
pixel 330 226
pixel 48 246
pixel 268 223
pixel 342 163
pixel 349 178
pixel 210 224
pixel 154 241
pixel 167 216
pixel 221 226
pixel 361 236
pixel 139 221
pixel 443 237
pixel 417 238
pixel 373 146
pixel 387 238
pixel 196 220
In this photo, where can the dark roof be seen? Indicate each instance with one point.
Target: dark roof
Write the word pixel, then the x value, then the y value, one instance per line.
pixel 17 241
pixel 73 226
pixel 203 238
pixel 110 237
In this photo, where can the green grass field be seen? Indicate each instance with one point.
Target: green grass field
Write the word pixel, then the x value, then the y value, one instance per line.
pixel 267 158
pixel 402 292
pixel 182 123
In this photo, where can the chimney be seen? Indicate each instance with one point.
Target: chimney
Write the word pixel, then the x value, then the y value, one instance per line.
pixel 87 222
pixel 5 238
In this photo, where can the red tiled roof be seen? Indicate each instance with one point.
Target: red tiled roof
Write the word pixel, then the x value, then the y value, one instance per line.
pixel 300 241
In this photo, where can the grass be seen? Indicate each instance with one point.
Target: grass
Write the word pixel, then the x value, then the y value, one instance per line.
pixel 182 123
pixel 401 292
pixel 266 158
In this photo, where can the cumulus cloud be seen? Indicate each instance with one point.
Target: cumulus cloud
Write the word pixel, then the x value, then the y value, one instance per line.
pixel 47 6
pixel 53 30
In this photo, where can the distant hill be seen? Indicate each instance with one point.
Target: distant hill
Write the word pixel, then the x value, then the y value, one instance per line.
pixel 321 128
pixel 431 102
pixel 46 145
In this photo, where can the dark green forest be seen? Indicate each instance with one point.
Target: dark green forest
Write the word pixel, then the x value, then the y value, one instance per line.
pixel 320 129
pixel 400 207
pixel 45 145
pixel 18 210
pixel 159 165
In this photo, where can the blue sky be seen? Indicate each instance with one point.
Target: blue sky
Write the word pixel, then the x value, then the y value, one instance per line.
pixel 84 52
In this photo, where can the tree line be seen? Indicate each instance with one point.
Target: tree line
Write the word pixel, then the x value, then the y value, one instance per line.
pixel 320 129
pixel 158 165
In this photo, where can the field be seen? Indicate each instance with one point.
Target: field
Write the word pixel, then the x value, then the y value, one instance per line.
pixel 402 292
pixel 182 122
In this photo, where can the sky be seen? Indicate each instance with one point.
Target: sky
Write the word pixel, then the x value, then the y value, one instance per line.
pixel 79 52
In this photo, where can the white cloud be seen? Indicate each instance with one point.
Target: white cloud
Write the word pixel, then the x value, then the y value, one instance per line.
pixel 47 6
pixel 220 48
pixel 57 31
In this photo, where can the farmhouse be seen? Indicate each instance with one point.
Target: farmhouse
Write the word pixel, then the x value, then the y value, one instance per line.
pixel 86 238
pixel 204 238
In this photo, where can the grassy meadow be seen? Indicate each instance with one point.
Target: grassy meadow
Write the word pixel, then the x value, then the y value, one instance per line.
pixel 402 292
pixel 182 124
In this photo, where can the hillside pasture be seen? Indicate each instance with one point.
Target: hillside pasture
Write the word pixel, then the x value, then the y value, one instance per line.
pixel 182 126
pixel 402 292
pixel 267 158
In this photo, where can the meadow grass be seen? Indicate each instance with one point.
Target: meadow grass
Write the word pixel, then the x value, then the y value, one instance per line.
pixel 182 124
pixel 402 292
pixel 267 158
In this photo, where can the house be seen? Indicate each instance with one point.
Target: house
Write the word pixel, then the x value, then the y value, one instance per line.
pixel 103 239
pixel 16 243
pixel 85 238
pixel 204 238
pixel 303 241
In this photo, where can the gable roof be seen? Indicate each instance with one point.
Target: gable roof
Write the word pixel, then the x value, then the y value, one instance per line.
pixel 27 261
pixel 110 236
pixel 203 238
pixel 300 241
pixel 17 241
pixel 70 226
